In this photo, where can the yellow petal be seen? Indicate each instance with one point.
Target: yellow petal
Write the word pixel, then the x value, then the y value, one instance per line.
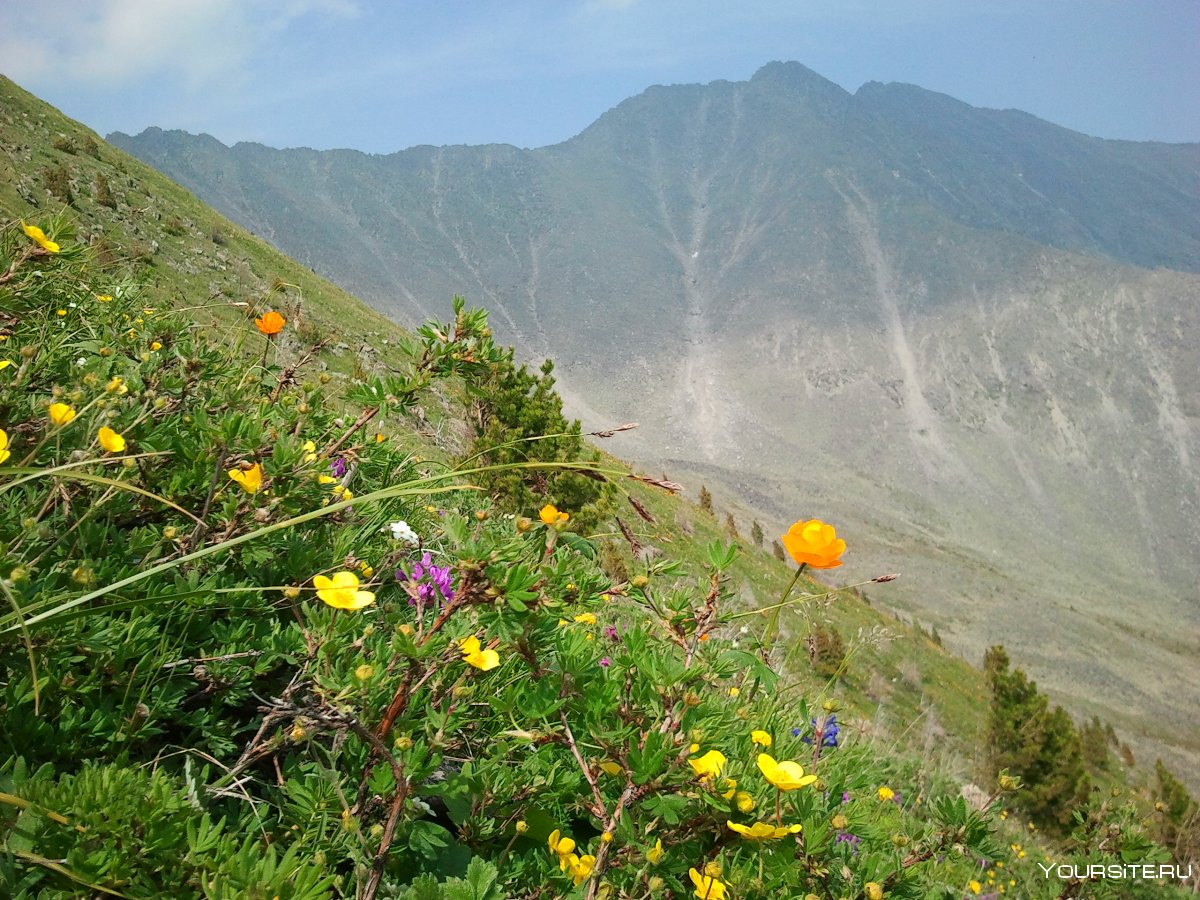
pixel 60 413
pixel 38 236
pixel 484 660
pixel 469 645
pixel 110 440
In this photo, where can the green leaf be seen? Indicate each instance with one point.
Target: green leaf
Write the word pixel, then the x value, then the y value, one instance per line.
pixel 579 544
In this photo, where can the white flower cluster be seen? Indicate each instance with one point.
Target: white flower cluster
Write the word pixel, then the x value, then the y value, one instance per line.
pixel 404 534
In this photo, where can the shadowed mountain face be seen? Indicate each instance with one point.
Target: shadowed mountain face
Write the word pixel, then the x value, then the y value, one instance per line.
pixel 967 337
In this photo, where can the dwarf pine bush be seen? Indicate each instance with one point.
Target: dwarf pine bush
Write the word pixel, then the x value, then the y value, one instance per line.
pixel 252 648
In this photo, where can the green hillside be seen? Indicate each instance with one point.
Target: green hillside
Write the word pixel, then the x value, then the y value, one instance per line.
pixel 971 325
pixel 192 708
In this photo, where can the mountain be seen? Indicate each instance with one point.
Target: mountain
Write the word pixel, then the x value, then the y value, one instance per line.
pixel 966 336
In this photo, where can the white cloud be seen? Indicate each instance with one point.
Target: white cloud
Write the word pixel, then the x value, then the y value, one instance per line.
pixel 114 43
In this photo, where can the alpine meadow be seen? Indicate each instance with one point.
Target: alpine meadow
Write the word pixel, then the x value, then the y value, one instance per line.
pixel 770 492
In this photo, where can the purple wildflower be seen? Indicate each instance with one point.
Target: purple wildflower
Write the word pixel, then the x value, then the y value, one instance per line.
pixel 605 662
pixel 338 466
pixel 845 796
pixel 610 632
pixel 851 840
pixel 433 583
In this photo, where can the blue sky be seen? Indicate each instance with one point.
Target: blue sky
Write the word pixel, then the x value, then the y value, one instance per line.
pixel 382 76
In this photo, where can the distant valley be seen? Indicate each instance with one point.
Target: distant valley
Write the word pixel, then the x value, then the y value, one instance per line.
pixel 966 336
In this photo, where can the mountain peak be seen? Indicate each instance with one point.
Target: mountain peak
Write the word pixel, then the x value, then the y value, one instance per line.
pixel 796 75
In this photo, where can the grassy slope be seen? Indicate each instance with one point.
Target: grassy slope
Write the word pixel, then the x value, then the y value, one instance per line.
pixel 155 216
pixel 899 684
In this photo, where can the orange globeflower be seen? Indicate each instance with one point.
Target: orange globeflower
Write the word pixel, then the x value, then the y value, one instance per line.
pixel 815 543
pixel 270 323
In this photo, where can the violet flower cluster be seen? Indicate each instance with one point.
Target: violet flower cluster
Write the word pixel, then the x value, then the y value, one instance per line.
pixel 825 734
pixel 432 582
pixel 851 840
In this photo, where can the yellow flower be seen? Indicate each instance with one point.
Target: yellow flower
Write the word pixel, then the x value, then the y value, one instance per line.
pixel 380 437
pixel 156 346
pixel 341 591
pixel 38 236
pixel 60 312
pixel 5 453
pixel 760 737
pixel 975 886
pixel 730 783
pixel 551 516
pixel 873 891
pixel 5 363
pixel 310 451
pixel 250 479
pixel 787 776
pixel 60 413
pixel 886 793
pixel 734 691
pixel 270 323
pixel 364 672
pixel 586 618
pixel 104 298
pixel 709 765
pixel 562 847
pixel 707 887
pixel 474 655
pixel 325 479
pixel 762 831
pixel 116 385
pixel 110 440
pixel 611 768
pixel 580 867
pixel 815 543
pixel 744 801
pixel 655 853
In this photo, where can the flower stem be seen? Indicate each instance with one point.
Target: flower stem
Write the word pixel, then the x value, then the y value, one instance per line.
pixel 772 626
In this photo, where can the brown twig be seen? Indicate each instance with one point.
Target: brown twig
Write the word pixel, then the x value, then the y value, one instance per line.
pixel 288 375
pixel 367 416
pixel 598 810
